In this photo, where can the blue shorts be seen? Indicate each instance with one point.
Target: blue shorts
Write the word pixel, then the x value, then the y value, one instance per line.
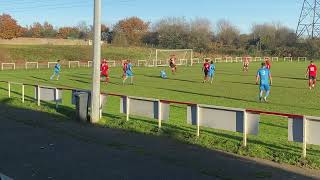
pixel 211 74
pixel 129 74
pixel 264 87
pixel 56 72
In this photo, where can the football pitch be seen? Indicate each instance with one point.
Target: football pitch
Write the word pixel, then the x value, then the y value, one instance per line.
pixel 231 88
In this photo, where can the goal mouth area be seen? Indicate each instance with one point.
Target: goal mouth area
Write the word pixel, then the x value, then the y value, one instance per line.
pixel 182 56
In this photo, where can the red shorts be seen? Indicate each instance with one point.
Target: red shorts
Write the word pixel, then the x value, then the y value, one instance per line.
pixel 104 74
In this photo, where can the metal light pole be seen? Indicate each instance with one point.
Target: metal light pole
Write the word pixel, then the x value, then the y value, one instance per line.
pixel 95 94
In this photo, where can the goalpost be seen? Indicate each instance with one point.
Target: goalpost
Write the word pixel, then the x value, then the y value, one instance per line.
pixel 111 63
pixel 74 64
pixel 35 64
pixel 51 63
pixel 183 56
pixel 12 65
pixel 302 59
pixel 142 63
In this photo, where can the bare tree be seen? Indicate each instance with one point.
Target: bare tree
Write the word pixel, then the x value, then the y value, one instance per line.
pixel 227 33
pixel 201 34
pixel 173 32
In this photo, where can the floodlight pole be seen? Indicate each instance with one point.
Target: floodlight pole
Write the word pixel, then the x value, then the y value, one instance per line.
pixel 95 94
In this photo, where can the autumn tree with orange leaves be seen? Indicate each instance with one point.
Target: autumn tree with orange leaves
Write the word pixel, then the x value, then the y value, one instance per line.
pixel 130 30
pixel 9 28
pixel 68 32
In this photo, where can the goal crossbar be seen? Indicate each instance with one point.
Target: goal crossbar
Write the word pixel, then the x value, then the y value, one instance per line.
pixel 77 63
pixel 49 63
pixel 142 62
pixel 288 59
pixel 36 64
pixel 174 50
pixel 302 59
pixel 13 65
pixel 112 63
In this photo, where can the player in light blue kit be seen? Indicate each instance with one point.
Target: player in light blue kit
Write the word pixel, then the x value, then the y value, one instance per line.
pixel 265 78
pixel 163 74
pixel 129 73
pixel 57 70
pixel 212 70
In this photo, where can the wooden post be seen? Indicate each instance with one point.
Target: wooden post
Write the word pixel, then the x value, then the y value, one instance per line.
pixel 38 95
pixel 128 107
pixel 304 146
pixel 198 120
pixel 22 92
pixel 56 97
pixel 159 114
pixel 245 129
pixel 9 89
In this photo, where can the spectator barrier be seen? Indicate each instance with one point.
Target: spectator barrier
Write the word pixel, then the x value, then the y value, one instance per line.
pixel 303 129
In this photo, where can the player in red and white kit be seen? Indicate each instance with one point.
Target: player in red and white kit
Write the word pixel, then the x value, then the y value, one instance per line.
pixel 312 75
pixel 124 68
pixel 246 62
pixel 268 63
pixel 172 64
pixel 104 69
pixel 205 69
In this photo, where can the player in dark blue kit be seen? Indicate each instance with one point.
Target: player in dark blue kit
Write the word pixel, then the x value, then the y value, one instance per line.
pixel 264 78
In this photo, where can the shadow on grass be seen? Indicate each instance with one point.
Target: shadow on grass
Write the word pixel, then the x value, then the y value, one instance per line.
pixel 211 158
pixel 208 95
pixel 80 81
pixel 240 74
pixel 231 98
pixel 190 132
pixel 173 79
pixel 253 84
pixel 40 79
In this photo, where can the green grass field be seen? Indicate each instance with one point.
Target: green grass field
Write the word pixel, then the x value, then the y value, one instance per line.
pixel 14 53
pixel 231 88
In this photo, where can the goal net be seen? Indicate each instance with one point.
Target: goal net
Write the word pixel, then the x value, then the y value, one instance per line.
pixel 183 57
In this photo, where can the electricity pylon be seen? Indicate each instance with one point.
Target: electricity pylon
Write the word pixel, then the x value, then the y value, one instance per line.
pixel 309 21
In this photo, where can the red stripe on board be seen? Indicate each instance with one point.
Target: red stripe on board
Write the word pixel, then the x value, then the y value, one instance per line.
pixel 176 102
pixel 274 113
